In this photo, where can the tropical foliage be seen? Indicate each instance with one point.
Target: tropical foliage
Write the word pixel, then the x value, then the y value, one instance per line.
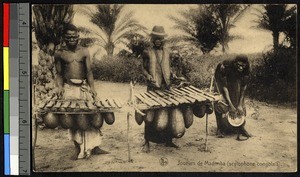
pixel 198 28
pixel 48 24
pixel 113 26
pixel 278 18
pixel 209 25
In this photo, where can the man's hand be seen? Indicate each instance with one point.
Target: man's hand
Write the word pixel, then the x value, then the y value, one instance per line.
pixel 94 93
pixel 233 112
pixel 240 110
pixel 60 92
pixel 150 78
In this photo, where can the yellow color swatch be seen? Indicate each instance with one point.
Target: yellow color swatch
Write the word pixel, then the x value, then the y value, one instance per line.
pixel 6 67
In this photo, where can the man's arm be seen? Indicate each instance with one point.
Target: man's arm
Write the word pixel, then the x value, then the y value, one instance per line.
pixel 59 79
pixel 90 77
pixel 221 77
pixel 145 66
pixel 242 93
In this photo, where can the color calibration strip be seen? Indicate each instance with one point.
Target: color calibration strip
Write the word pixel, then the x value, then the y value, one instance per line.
pixel 6 14
pixel 16 73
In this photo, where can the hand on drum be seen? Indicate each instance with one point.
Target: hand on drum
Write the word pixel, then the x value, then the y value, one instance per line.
pixel 240 111
pixel 233 112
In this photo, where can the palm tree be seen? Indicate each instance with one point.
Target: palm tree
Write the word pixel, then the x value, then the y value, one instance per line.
pixel 277 18
pixel 198 28
pixel 112 26
pixel 48 23
pixel 226 15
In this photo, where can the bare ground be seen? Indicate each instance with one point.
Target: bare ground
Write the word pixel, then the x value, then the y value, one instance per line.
pixel 272 149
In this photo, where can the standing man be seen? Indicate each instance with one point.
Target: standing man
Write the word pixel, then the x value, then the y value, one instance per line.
pixel 75 81
pixel 157 70
pixel 232 78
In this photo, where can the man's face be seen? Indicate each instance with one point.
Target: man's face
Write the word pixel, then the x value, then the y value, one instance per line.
pixel 240 66
pixel 157 41
pixel 71 38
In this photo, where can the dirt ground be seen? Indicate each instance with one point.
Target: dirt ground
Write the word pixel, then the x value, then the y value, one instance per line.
pixel 273 148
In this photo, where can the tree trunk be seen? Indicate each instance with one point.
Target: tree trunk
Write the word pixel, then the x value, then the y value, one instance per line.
pixel 110 49
pixel 275 40
pixel 44 76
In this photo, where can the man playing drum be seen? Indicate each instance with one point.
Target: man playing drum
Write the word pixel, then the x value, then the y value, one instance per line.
pixel 232 78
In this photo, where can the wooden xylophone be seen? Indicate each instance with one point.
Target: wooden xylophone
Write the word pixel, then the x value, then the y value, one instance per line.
pixel 174 97
pixel 81 106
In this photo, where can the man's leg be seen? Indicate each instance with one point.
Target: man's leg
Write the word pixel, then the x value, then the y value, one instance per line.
pixel 169 143
pixel 220 133
pixel 82 154
pixel 76 151
pixel 242 133
pixel 169 138
pixel 146 145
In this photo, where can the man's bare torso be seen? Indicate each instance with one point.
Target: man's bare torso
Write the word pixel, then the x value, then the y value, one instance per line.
pixel 73 63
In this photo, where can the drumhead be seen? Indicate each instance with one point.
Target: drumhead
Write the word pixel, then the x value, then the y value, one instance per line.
pixel 234 122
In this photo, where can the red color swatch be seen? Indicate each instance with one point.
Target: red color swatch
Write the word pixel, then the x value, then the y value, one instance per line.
pixel 5 24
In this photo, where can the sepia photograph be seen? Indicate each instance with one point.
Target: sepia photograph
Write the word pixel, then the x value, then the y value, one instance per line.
pixel 164 87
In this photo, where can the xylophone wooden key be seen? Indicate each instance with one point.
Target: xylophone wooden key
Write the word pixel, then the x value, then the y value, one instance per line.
pixel 104 103
pixel 118 103
pixel 202 92
pixel 197 93
pixel 150 100
pixel 178 96
pixel 73 105
pixel 64 106
pixel 57 105
pixel 50 104
pixel 82 105
pixel 184 95
pixel 90 105
pixel 192 94
pixel 167 97
pixel 98 104
pixel 160 98
pixel 161 103
pixel 42 105
pixel 111 103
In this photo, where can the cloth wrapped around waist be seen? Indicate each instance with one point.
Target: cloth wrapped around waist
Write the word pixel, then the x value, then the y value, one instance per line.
pixel 76 89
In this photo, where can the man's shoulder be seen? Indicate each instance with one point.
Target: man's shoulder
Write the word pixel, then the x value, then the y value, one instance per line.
pixel 83 49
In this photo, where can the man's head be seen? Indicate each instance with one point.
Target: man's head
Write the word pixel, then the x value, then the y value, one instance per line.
pixel 157 36
pixel 241 63
pixel 71 36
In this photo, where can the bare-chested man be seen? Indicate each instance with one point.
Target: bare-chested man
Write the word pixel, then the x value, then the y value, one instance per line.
pixel 75 81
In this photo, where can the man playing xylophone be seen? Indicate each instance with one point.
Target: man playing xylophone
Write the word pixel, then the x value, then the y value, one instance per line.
pixel 156 68
pixel 76 82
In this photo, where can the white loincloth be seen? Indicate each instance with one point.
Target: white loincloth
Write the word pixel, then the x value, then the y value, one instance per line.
pixel 90 138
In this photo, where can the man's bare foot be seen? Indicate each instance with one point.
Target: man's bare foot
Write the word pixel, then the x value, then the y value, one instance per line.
pixel 245 133
pixel 146 147
pixel 98 151
pixel 81 155
pixel 220 134
pixel 88 154
pixel 171 144
pixel 242 137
